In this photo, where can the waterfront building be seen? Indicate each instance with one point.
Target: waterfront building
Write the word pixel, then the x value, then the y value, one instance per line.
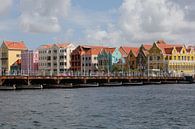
pixel 29 62
pixel 54 59
pixel 181 60
pixel 131 60
pixel 170 59
pixel 84 59
pixel 108 59
pixel 124 50
pixel 10 53
pixel 142 58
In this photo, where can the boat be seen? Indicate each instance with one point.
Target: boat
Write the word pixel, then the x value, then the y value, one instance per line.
pixel 184 82
pixel 133 83
pixel 88 85
pixel 54 86
pixel 113 84
pixel 153 83
pixel 26 87
pixel 8 87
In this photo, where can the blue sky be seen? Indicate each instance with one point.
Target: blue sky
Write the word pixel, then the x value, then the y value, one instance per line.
pixel 98 22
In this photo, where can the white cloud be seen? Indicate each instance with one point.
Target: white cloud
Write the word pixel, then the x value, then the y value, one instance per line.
pixel 5 6
pixel 146 20
pixel 150 19
pixel 43 15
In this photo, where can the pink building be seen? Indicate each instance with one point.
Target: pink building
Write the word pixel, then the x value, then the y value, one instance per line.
pixel 29 62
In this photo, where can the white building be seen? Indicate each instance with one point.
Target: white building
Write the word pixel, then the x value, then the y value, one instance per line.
pixel 54 59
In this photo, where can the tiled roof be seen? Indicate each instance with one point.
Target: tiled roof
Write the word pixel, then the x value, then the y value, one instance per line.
pixel 147 46
pixel 167 48
pixel 94 51
pixel 109 50
pixel 15 45
pixel 125 50
pixel 135 51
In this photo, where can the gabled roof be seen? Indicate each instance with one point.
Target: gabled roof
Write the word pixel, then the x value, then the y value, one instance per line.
pixel 94 51
pixel 15 45
pixel 147 46
pixel 124 50
pixel 167 48
pixel 109 50
pixel 135 51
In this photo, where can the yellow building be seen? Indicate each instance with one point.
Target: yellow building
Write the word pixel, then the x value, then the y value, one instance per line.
pixel 182 61
pixel 172 59
pixel 10 53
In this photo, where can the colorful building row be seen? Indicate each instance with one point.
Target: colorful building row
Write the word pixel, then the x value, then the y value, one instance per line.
pixel 158 58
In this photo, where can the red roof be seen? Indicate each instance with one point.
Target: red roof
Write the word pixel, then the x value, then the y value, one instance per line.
pixel 109 50
pixel 167 48
pixel 94 51
pixel 125 50
pixel 135 51
pixel 15 45
pixel 147 46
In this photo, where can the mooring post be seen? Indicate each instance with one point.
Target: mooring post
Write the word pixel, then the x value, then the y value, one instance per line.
pixel 85 81
pixel 29 81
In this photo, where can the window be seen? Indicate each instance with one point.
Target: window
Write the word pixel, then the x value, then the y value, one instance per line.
pixel 95 58
pixel 150 57
pixel 61 57
pixel 54 58
pixel 49 58
pixel 55 51
pixel 61 63
pixel 17 55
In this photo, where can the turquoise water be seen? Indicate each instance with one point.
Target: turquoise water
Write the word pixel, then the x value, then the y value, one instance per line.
pixel 145 107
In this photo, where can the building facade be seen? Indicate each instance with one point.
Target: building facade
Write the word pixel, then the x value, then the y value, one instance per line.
pixel 175 59
pixel 142 58
pixel 29 62
pixel 84 59
pixel 108 58
pixel 131 60
pixel 54 59
pixel 10 53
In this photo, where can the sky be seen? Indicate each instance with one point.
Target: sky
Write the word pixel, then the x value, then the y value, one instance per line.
pixel 97 22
